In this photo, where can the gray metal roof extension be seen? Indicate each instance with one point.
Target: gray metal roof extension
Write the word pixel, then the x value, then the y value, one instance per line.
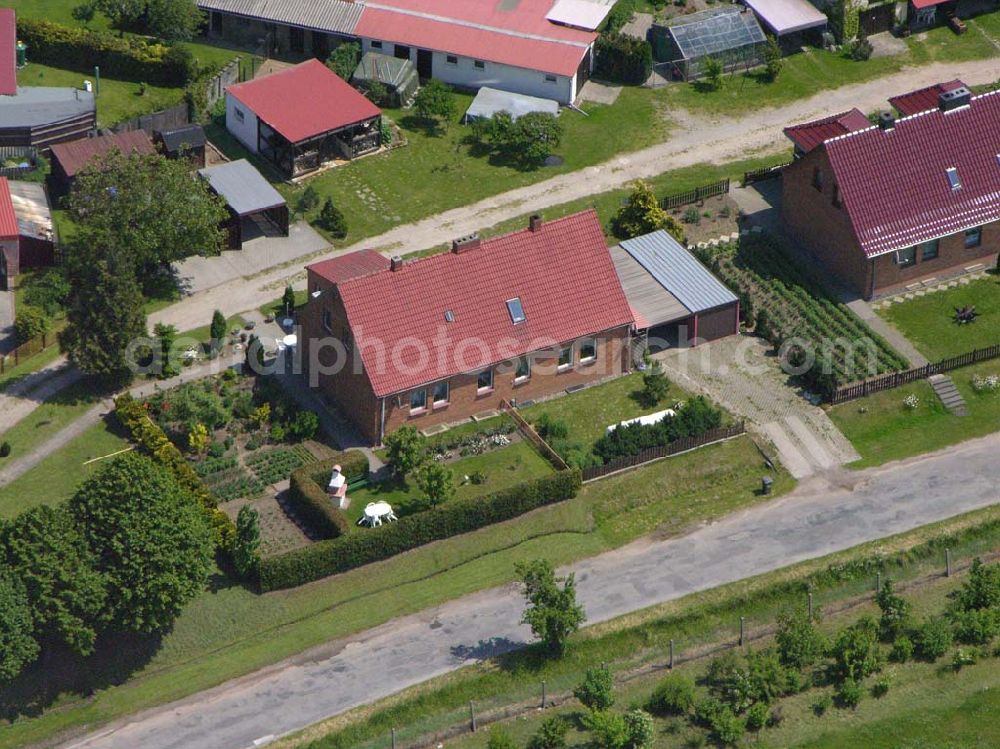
pixel 651 304
pixel 242 187
pixel 31 206
pixel 715 30
pixel 489 101
pixel 192 136
pixel 678 271
pixel 36 106
pixel 334 16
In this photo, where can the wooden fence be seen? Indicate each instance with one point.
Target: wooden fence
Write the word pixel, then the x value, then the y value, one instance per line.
pixel 696 195
pixel 166 119
pixel 26 154
pixel 767 172
pixel 656 453
pixel 25 351
pixel 896 379
pixel 533 437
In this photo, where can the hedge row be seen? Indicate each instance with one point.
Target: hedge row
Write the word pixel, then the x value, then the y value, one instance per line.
pixel 128 57
pixel 310 500
pixel 623 59
pixel 694 419
pixel 361 547
pixel 149 438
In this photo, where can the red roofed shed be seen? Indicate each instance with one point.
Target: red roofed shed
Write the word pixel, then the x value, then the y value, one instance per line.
pixel 442 338
pixel 9 234
pixel 301 118
pixel 69 159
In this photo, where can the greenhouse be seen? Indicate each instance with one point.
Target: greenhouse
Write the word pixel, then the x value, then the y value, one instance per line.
pixel 398 76
pixel 730 35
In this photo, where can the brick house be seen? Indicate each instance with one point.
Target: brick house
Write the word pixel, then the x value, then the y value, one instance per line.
pixel 442 338
pixel 883 207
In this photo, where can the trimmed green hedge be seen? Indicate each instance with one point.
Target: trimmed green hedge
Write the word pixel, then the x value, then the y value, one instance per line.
pixel 151 440
pixel 308 496
pixel 371 545
pixel 623 59
pixel 128 57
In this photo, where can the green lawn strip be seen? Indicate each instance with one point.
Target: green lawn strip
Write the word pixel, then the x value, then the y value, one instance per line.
pixel 57 476
pixel 49 417
pixel 276 307
pixel 882 428
pixel 230 632
pixel 695 623
pixel 16 372
pixel 929 321
pixel 118 100
pixel 204 333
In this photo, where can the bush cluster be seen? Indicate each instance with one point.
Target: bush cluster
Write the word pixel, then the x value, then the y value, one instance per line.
pixel 623 59
pixel 128 57
pixel 310 500
pixel 461 516
pixel 151 440
pixel 695 418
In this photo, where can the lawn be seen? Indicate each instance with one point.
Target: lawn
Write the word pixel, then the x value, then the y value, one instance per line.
pixel 929 321
pixel 50 417
pixel 229 631
pixel 814 70
pixel 56 478
pixel 881 428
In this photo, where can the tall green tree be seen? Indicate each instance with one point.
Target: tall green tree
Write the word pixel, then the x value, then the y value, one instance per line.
pixel 18 646
pixel 643 214
pixel 895 611
pixel 332 219
pixel 344 59
pixel 217 330
pixel 552 611
pixel 148 208
pixel 166 342
pixel 153 545
pixel 121 13
pixel 435 103
pixel 437 482
pixel 773 58
pixel 46 551
pixel 799 643
pixel 172 20
pixel 712 67
pixel 407 449
pixel 246 552
pixel 105 316
pixel 527 140
pixel 288 300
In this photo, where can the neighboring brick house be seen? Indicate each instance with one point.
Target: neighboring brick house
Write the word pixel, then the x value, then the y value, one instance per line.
pixel 440 339
pixel 910 200
pixel 907 201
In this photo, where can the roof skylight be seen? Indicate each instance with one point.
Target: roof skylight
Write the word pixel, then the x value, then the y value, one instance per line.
pixel 953 180
pixel 516 310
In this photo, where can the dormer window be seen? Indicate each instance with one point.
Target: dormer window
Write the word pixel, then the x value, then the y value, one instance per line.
pixel 953 180
pixel 449 316
pixel 516 310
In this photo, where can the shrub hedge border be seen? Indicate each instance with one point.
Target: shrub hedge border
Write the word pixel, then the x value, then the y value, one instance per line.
pixel 352 550
pixel 309 499
pixel 151 439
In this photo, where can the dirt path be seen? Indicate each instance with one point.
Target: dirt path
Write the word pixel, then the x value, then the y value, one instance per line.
pixel 698 139
pixel 22 397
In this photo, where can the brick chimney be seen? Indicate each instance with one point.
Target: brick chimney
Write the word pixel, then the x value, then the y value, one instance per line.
pixel 468 242
pixel 395 263
pixel 535 223
pixel 959 97
pixel 886 121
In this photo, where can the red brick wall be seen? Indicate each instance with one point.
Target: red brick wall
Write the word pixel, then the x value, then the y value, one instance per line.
pixel 718 323
pixel 352 394
pixel 9 247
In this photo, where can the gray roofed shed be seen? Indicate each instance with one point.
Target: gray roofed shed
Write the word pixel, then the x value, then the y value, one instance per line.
pixel 333 16
pixel 242 187
pixel 33 106
pixel 489 101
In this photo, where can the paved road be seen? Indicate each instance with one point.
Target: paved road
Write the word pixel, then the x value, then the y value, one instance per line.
pixel 820 517
pixel 695 139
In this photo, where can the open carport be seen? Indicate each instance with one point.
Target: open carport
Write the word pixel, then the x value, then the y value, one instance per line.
pixel 255 207
pixel 676 300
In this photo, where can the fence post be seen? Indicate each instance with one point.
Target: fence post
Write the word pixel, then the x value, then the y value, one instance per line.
pixel 810 606
pixel 472 715
pixel 742 622
pixel 393 738
pixel 543 694
pixel 671 663
pixel 947 562
pixel 878 582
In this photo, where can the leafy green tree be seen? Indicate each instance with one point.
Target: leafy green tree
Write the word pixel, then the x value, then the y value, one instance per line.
pixel 609 729
pixel 121 13
pixel 166 336
pixel 407 449
pixel 597 690
pixel 895 611
pixel 332 219
pixel 435 103
pixel 172 20
pixel 757 715
pixel 217 330
pixel 246 551
pixel 643 214
pixel 288 300
pixel 48 290
pixel 981 590
pixel 436 482
pixel 500 738
pixel 377 93
pixel 849 693
pixel 800 644
pixel 655 384
pixel 712 67
pixel 18 646
pixel 773 59
pixel 552 611
pixel 151 540
pixel 105 316
pixel 344 59
pixel 856 652
pixel 674 695
pixel 148 209
pixel 303 426
pixel 30 322
pixel 551 734
pixel 639 729
pixel 932 639
pixel 45 550
pixel 528 140
pixel 84 13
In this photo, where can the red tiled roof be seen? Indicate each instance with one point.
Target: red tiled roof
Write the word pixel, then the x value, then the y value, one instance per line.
pixel 8 219
pixel 562 273
pixel 923 98
pixel 894 184
pixel 556 52
pixel 926 3
pixel 8 60
pixel 811 134
pixel 353 264
pixel 76 154
pixel 306 100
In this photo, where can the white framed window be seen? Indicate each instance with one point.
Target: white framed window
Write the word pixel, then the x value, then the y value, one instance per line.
pixel 588 350
pixel 238 114
pixel 375 44
pixel 485 380
pixel 906 257
pixel 523 371
pixel 418 401
pixel 565 357
pixel 550 78
pixel 440 394
pixel 479 65
pixel 451 59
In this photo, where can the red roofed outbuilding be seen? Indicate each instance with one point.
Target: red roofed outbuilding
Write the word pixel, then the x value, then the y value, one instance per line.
pixel 906 202
pixel 69 159
pixel 9 236
pixel 300 118
pixel 442 338
pixel 811 134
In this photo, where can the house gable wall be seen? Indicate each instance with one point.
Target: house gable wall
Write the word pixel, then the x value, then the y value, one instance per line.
pixel 244 131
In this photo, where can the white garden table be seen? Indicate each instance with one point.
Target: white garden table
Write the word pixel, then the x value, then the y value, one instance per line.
pixel 375 513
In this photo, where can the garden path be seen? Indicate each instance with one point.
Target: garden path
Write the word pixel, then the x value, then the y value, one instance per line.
pixel 20 398
pixel 897 340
